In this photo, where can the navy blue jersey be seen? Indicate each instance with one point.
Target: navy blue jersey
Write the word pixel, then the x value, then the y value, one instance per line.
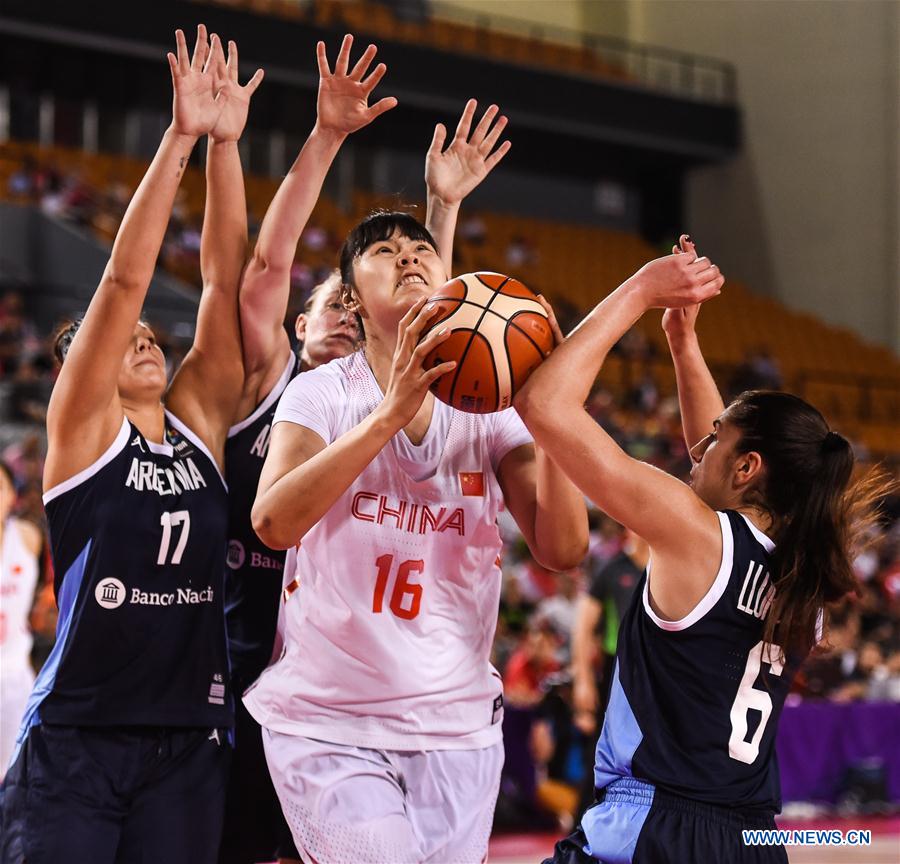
pixel 253 575
pixel 138 540
pixel 695 704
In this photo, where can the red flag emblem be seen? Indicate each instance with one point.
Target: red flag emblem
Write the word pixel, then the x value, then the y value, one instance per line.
pixel 472 482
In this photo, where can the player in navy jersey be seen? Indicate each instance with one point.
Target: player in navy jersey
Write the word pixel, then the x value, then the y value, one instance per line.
pixel 254 826
pixel 123 749
pixel 742 563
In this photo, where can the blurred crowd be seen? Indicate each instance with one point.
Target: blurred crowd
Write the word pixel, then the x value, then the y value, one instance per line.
pixel 549 747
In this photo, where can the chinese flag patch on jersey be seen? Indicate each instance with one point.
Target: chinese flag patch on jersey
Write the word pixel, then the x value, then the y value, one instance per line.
pixel 472 482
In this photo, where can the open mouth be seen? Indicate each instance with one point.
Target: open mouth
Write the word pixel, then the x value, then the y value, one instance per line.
pixel 408 279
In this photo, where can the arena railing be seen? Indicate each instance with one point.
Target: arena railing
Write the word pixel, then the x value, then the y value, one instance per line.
pixel 508 39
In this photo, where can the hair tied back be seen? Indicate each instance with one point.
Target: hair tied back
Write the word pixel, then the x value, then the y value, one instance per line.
pixel 833 441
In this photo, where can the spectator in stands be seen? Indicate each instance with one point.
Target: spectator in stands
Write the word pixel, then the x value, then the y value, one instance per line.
pixel 520 253
pixel 532 663
pixel 759 371
pixel 559 608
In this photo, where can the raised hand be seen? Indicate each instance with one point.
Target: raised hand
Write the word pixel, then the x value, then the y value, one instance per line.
pixel 453 173
pixel 232 99
pixel 677 280
pixel 679 322
pixel 343 102
pixel 194 109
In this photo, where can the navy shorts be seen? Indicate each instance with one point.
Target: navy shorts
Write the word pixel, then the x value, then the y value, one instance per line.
pixel 255 828
pixel 115 796
pixel 635 823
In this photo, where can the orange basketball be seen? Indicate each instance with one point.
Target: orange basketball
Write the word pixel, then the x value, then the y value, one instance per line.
pixel 499 335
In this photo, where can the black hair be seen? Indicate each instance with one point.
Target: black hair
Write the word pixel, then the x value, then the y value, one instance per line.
pixel 817 513
pixel 62 338
pixel 379 225
pixel 65 333
pixel 5 469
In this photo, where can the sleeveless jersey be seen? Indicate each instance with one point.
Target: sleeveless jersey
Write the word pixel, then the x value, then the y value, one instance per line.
pixel 695 704
pixel 387 637
pixel 253 574
pixel 18 580
pixel 138 540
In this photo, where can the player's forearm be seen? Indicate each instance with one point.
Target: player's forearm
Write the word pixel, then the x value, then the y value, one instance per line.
pixel 286 510
pixel 295 199
pixel 223 242
pixel 561 383
pixel 698 395
pixel 560 520
pixel 440 220
pixel 140 236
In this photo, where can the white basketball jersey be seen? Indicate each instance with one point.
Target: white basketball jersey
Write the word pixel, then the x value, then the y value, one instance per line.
pixel 388 634
pixel 18 580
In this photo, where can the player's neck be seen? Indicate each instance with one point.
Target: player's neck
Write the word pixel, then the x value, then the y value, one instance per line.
pixel 150 419
pixel 379 355
pixel 760 518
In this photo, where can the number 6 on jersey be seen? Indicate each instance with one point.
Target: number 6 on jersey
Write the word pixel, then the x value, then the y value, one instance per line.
pixel 402 587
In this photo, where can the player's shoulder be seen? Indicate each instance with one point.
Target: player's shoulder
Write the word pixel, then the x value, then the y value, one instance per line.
pixel 31 535
pixel 746 537
pixel 329 379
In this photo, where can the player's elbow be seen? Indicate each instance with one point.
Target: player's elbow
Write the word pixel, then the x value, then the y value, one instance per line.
pixel 562 556
pixel 267 527
pixel 536 409
pixel 266 264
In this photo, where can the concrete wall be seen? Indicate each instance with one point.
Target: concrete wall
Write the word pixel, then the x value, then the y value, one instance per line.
pixel 809 212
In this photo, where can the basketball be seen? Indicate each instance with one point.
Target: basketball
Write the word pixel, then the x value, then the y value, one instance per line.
pixel 499 335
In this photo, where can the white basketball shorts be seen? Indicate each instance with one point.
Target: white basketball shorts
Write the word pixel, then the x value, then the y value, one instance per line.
pixel 350 804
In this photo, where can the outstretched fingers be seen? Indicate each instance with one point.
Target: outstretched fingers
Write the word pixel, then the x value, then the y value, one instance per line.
pixel 497 155
pixel 201 49
pixel 342 64
pixel 484 124
pixel 255 81
pixel 362 65
pixel 372 81
pixel 438 139
pixel 322 60
pixel 181 53
pixel 493 136
pixel 380 107
pixel 215 62
pixel 465 121
pixel 233 62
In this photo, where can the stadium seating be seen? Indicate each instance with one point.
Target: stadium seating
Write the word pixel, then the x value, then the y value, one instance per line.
pixel 856 384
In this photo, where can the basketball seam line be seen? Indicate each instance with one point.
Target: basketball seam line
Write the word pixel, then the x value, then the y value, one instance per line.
pixel 511 323
pixel 465 352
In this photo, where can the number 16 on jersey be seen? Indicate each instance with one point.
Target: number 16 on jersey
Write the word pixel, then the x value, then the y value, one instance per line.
pixel 406 598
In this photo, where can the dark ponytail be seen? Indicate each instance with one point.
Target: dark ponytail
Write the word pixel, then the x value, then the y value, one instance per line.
pixel 817 512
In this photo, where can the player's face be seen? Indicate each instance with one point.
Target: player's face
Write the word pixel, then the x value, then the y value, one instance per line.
pixel 143 371
pixel 392 274
pixel 713 468
pixel 328 330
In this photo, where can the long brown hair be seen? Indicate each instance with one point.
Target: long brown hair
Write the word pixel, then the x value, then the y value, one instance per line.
pixel 819 511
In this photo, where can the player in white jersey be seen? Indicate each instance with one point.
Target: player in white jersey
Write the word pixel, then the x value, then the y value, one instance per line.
pixel 254 826
pixel 382 715
pixel 20 549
